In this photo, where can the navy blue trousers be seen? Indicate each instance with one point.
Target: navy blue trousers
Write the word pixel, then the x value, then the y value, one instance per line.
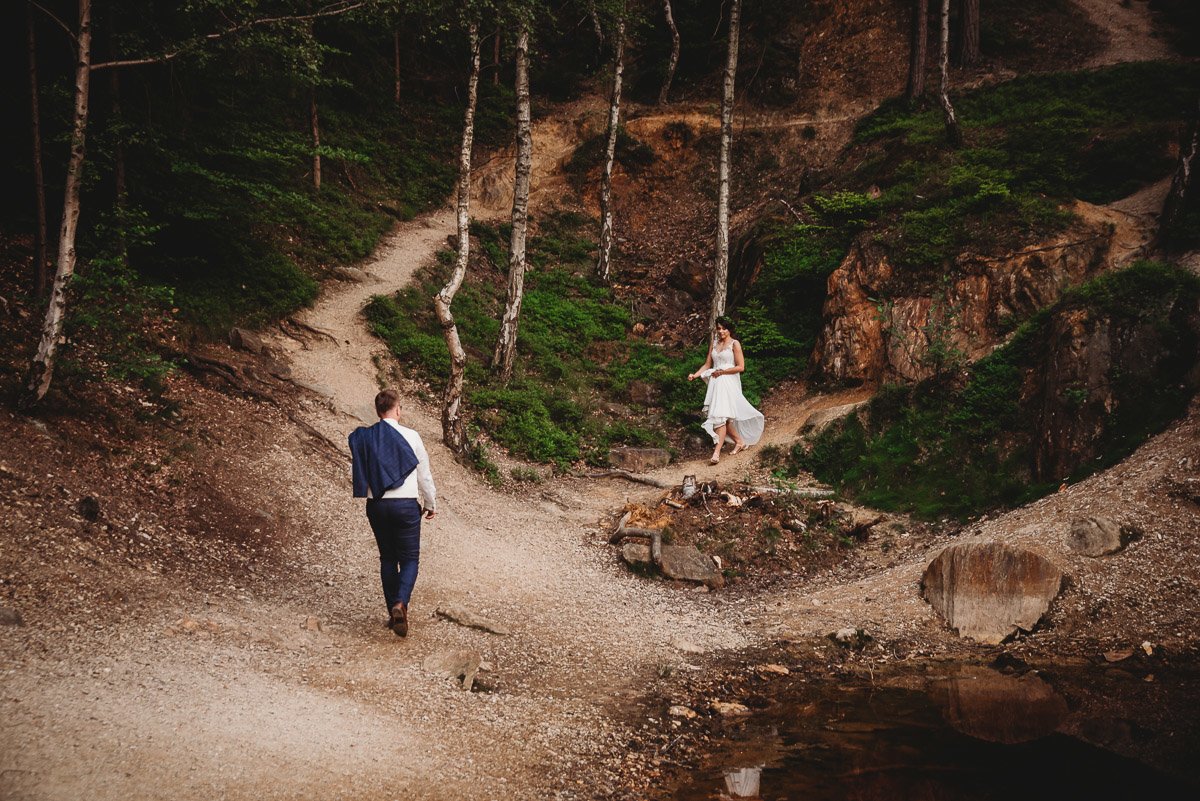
pixel 397 526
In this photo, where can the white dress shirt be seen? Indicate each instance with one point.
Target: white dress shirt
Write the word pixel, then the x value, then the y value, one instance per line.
pixel 419 483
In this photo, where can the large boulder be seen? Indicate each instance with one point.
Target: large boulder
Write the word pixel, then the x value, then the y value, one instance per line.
pixel 686 563
pixel 988 590
pixel 638 460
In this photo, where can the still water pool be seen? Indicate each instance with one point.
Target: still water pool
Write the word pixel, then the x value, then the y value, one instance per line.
pixel 951 733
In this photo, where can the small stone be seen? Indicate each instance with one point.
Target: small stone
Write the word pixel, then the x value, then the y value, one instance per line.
pixel 312 623
pixel 850 637
pixel 684 712
pixel 247 340
pixel 729 709
pixel 688 647
pixel 1118 656
pixel 778 670
pixel 1147 648
pixel 1094 536
pixel 10 617
pixel 459 664
pixel 352 274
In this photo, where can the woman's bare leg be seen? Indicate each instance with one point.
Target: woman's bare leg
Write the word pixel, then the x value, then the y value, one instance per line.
pixel 720 432
pixel 739 444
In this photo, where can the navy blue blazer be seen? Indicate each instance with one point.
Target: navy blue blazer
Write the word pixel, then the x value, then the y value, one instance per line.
pixel 382 459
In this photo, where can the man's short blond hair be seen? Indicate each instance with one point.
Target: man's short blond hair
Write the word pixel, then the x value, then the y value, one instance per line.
pixel 385 401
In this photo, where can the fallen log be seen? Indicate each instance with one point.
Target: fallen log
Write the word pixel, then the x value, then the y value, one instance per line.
pixel 799 492
pixel 625 474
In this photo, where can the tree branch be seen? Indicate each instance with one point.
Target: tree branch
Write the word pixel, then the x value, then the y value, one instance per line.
pixel 331 10
pixel 66 29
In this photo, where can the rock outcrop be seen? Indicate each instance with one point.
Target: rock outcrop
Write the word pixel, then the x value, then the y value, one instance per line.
pixel 878 326
pixel 988 590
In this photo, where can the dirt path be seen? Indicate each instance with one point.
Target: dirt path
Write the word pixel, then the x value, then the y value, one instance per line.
pixel 1130 28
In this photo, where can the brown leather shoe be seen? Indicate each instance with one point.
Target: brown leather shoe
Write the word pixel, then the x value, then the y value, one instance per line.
pixel 400 620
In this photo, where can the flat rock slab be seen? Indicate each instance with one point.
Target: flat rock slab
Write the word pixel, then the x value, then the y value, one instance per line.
pixel 988 590
pixel 1094 536
pixel 351 274
pixel 246 339
pixel 638 460
pixel 465 617
pixel 10 617
pixel 686 563
pixel 458 664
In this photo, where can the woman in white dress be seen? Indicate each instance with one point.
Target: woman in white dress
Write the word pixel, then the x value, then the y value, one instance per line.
pixel 729 414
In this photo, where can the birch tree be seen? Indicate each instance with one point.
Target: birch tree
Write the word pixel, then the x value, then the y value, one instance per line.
pixel 919 48
pixel 603 260
pixel 506 344
pixel 454 433
pixel 721 270
pixel 953 131
pixel 1182 193
pixel 41 369
pixel 674 60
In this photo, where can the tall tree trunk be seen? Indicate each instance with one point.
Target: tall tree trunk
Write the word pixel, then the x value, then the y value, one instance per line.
pixel 968 46
pixel 496 60
pixel 41 370
pixel 721 271
pixel 1183 185
pixel 597 28
pixel 316 137
pixel 120 192
pixel 40 247
pixel 454 433
pixel 396 60
pixel 919 50
pixel 674 61
pixel 603 261
pixel 953 131
pixel 506 345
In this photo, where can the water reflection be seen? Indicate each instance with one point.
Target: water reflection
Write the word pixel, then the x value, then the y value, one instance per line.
pixel 743 782
pixel 1002 709
pixel 965 734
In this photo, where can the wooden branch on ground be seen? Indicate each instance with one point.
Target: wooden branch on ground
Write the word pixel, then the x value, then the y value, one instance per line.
pixel 653 534
pixel 625 474
pixel 799 492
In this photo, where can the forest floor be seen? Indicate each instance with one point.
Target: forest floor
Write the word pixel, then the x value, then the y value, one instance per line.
pixel 212 626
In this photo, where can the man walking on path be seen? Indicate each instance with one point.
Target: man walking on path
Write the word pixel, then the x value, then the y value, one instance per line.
pixel 391 470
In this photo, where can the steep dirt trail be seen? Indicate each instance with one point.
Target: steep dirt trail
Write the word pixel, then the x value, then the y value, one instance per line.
pixel 1131 31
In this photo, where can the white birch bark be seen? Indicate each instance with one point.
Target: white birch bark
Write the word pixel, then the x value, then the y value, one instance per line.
pixel 603 261
pixel 453 431
pixel 41 371
pixel 674 61
pixel 721 270
pixel 506 345
pixel 953 132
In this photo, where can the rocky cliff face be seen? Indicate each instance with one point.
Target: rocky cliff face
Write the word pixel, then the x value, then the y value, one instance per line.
pixel 1101 377
pixel 879 327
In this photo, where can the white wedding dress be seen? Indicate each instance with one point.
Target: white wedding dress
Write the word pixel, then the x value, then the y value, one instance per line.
pixel 724 401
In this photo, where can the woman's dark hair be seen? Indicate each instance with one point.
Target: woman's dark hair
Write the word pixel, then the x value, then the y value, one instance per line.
pixel 725 323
